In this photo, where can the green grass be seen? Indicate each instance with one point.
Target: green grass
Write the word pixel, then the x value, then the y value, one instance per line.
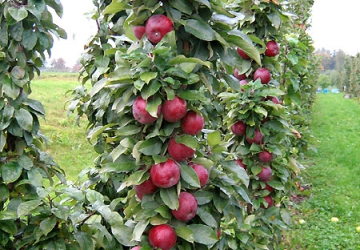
pixel 334 177
pixel 67 141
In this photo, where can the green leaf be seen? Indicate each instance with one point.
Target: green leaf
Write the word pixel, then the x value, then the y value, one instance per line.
pixel 115 7
pixel 276 184
pixel 238 171
pixel 47 225
pixel 193 95
pixel 207 217
pixel 182 59
pixel 36 7
pixel 293 58
pixel 123 234
pixel 139 230
pixel 56 5
pixel 170 197
pixel 148 76
pixel 182 5
pixel 24 119
pixel 4 193
pixel 35 177
pixel 85 240
pixel 188 140
pixel 18 13
pixel 25 208
pixel 200 29
pixel 29 39
pixel 94 196
pixel 203 197
pixel 233 82
pixel 35 105
pixel 214 138
pixel 151 146
pixel 203 234
pixel 189 175
pixel 18 72
pixel 261 111
pixel 8 226
pixel 10 172
pixel 8 215
pixel 185 233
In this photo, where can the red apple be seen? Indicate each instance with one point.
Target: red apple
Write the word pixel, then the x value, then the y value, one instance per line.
pixel 257 137
pixel 139 31
pixel 202 173
pixel 240 77
pixel 269 188
pixel 274 99
pixel 265 174
pixel 162 237
pixel 179 151
pixel 241 164
pixel 174 110
pixel 263 74
pixel 157 26
pixel 141 114
pixel 239 128
pixel 136 248
pixel 272 49
pixel 192 123
pixel 218 234
pixel 265 156
pixel 242 54
pixel 165 174
pixel 269 200
pixel 187 207
pixel 147 187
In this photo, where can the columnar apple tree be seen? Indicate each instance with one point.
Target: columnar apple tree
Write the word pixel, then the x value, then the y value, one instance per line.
pixel 184 111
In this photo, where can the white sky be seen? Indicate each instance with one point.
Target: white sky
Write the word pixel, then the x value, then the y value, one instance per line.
pixel 334 26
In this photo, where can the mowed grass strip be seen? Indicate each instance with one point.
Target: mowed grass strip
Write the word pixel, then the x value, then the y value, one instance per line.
pixel 67 141
pixel 334 177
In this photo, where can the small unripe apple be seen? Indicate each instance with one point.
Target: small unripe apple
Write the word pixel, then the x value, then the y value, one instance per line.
pixel 334 219
pixel 165 174
pixel 263 74
pixel 358 229
pixel 202 173
pixel 265 174
pixel 174 110
pixel 272 49
pixel 265 156
pixel 301 221
pixel 139 31
pixel 179 151
pixel 242 54
pixel 141 114
pixel 157 26
pixel 241 164
pixel 192 123
pixel 162 237
pixel 187 207
pixel 241 76
pixel 257 137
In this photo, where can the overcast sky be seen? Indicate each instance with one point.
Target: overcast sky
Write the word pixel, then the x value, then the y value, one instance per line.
pixel 334 26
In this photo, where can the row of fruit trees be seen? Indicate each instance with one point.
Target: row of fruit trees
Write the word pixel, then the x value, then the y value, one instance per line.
pixel 198 112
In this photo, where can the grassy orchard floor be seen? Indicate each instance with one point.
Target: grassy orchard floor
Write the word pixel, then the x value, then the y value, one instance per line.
pixel 67 141
pixel 334 177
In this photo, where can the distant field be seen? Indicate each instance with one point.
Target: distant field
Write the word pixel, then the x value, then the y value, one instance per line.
pixel 67 141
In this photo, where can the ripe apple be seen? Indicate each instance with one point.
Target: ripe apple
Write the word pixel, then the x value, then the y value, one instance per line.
pixel 257 137
pixel 241 164
pixel 272 49
pixel 239 128
pixel 157 26
pixel 265 174
pixel 162 237
pixel 147 187
pixel 241 76
pixel 165 174
pixel 192 123
pixel 202 173
pixel 174 110
pixel 265 156
pixel 218 234
pixel 242 54
pixel 141 114
pixel 263 74
pixel 136 248
pixel 187 207
pixel 269 188
pixel 139 31
pixel 274 99
pixel 179 151
pixel 269 200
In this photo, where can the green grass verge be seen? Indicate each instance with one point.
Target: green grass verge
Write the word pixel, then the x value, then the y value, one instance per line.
pixel 334 177
pixel 67 141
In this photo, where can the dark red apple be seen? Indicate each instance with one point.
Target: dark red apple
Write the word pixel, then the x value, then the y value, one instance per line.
pixel 147 187
pixel 257 137
pixel 272 48
pixel 263 74
pixel 239 128
pixel 157 26
pixel 218 234
pixel 192 123
pixel 165 174
pixel 179 151
pixel 265 174
pixel 241 76
pixel 241 164
pixel 139 31
pixel 265 156
pixel 141 114
pixel 187 207
pixel 269 188
pixel 162 237
pixel 242 54
pixel 274 99
pixel 269 200
pixel 174 110
pixel 202 173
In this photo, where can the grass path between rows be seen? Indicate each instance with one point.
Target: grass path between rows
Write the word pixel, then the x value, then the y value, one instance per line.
pixel 334 177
